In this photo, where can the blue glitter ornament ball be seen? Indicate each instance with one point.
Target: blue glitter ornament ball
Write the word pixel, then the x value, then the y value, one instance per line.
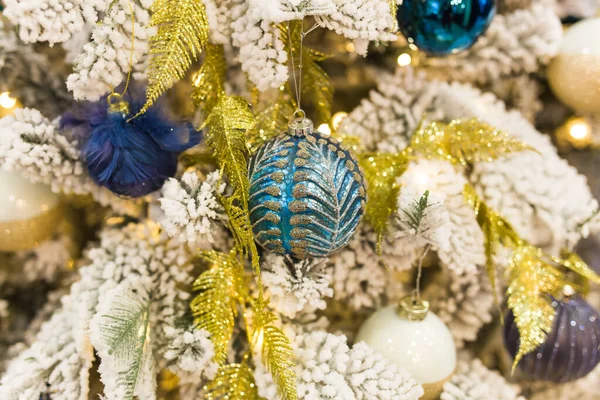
pixel 441 27
pixel 307 194
pixel 572 348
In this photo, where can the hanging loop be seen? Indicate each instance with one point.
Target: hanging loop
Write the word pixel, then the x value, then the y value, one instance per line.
pixel 117 104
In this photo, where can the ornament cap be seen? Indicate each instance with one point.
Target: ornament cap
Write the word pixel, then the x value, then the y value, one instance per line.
pixel 300 125
pixel 117 104
pixel 413 309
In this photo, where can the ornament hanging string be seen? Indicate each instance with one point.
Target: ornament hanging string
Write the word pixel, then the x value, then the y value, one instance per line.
pixel 299 113
pixel 116 103
pixel 416 294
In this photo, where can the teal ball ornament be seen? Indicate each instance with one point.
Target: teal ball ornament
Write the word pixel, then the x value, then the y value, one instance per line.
pixel 441 27
pixel 307 193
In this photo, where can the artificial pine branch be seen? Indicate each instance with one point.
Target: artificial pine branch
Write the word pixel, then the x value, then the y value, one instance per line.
pixel 416 213
pixel 122 337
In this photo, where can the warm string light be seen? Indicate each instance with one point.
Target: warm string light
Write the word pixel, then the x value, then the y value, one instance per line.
pixel 579 130
pixel 337 119
pixel 404 59
pixel 576 132
pixel 325 129
pixel 6 101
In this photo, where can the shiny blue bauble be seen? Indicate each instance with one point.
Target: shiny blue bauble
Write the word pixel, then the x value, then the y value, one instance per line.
pixel 307 195
pixel 441 27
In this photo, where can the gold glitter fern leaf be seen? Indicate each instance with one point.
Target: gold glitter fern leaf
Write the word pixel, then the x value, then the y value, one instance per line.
pixel 381 172
pixel 209 82
pixel 496 230
pixel 220 290
pixel 271 121
pixel 277 353
pixel 573 262
pixel 182 34
pixel 233 382
pixel 464 141
pixel 532 282
pixel 227 124
pixel 241 229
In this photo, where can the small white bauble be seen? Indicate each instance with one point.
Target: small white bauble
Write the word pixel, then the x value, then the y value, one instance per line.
pixel 28 212
pixel 574 74
pixel 414 339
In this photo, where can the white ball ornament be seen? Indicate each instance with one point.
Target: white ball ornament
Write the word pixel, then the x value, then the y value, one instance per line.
pixel 415 339
pixel 28 212
pixel 574 74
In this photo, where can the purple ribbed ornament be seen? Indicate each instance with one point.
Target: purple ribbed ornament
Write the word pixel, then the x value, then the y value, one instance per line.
pixel 572 348
pixel 589 251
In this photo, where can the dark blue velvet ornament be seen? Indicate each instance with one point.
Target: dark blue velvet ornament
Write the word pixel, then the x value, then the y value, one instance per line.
pixel 130 158
pixel 441 27
pixel 307 195
pixel 572 348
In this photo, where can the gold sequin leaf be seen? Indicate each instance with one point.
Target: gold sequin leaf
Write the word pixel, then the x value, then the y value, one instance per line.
pixel 393 8
pixel 381 172
pixel 227 124
pixel 209 81
pixel 464 141
pixel 241 229
pixel 532 282
pixel 496 230
pixel 317 87
pixel 271 121
pixel 277 353
pixel 182 34
pixel 573 262
pixel 233 382
pixel 220 290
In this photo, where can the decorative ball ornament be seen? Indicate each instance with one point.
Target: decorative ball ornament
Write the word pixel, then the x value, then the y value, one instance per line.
pixel 307 193
pixel 572 348
pixel 415 339
pixel 130 156
pixel 29 212
pixel 441 27
pixel 574 74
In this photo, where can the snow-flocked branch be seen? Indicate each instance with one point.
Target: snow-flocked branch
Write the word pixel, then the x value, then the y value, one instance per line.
pixel 327 368
pixel 296 288
pixel 191 208
pixel 32 145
